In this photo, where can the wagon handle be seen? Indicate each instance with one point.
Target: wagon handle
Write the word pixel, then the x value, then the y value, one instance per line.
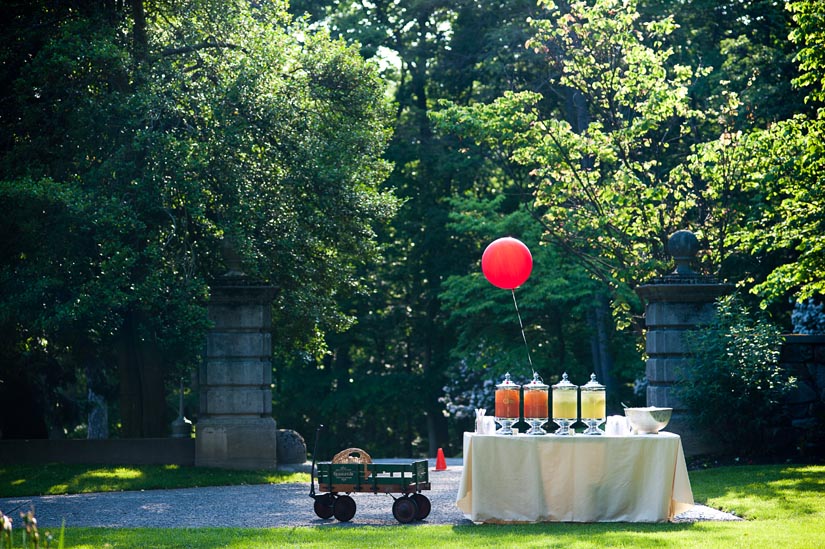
pixel 314 456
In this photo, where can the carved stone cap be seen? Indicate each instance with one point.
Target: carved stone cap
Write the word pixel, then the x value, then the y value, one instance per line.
pixel 682 293
pixel 684 285
pixel 683 246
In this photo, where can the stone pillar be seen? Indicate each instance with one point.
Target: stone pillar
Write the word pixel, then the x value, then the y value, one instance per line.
pixel 675 304
pixel 235 428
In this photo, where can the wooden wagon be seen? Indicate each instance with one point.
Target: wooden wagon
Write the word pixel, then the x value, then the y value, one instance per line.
pixel 353 470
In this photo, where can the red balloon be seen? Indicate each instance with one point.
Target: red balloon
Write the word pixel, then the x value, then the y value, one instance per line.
pixel 507 263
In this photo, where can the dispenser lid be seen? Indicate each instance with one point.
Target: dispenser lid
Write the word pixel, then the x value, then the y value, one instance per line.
pixel 507 383
pixel 564 385
pixel 536 383
pixel 592 385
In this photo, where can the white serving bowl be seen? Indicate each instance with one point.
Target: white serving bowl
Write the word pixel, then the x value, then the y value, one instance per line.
pixel 649 420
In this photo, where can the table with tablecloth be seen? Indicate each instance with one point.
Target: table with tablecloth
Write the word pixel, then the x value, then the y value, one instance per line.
pixel 523 478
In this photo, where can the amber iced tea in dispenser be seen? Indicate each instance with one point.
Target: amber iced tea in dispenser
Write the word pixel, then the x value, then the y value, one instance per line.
pixel 536 405
pixel 508 400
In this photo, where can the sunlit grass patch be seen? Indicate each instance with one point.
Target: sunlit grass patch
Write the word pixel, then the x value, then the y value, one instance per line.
pixel 763 491
pixel 116 473
pixel 101 479
pixel 805 534
pixel 784 505
pixel 58 489
pixel 55 479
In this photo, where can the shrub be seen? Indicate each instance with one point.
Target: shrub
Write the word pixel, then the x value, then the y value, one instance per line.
pixel 735 386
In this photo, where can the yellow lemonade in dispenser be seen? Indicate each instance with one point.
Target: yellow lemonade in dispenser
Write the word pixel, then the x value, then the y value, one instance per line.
pixel 564 404
pixel 594 404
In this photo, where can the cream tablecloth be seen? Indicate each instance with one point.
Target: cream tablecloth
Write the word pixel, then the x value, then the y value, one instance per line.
pixel 635 478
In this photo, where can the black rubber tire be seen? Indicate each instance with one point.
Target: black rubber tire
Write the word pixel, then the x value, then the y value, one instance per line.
pixel 344 508
pixel 323 505
pixel 405 510
pixel 424 506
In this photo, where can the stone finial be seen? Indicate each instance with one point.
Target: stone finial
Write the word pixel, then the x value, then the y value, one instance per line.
pixel 683 246
pixel 233 260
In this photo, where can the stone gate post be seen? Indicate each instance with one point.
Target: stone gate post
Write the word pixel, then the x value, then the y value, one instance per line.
pixel 675 304
pixel 235 428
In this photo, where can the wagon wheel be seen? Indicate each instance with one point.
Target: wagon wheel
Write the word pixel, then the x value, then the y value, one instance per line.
pixel 323 505
pixel 344 508
pixel 424 506
pixel 404 509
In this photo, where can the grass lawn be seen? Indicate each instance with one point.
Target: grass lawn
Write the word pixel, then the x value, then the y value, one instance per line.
pixel 56 479
pixel 784 506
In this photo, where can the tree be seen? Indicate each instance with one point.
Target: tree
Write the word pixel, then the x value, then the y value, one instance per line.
pixel 156 132
pixel 432 50
pixel 744 45
pixel 602 172
pixel 598 153
pixel 768 181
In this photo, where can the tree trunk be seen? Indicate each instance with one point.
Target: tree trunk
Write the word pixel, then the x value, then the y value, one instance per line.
pixel 599 344
pixel 142 390
pixel 141 43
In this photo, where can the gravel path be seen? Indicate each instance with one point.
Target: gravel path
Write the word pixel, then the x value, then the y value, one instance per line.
pixel 255 506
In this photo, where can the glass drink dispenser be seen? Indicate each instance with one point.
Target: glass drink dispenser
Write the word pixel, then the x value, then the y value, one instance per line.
pixel 594 407
pixel 565 404
pixel 536 408
pixel 507 405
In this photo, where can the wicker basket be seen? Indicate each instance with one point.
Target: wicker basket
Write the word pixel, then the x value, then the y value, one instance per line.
pixel 352 455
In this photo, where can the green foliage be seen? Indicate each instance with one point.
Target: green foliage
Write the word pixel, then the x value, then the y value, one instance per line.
pixel 809 15
pixel 745 50
pixel 139 146
pixel 766 187
pixel 734 386
pixel 401 344
pixel 134 148
pixel 603 174
pixel 601 170
pixel 762 187
pixel 614 175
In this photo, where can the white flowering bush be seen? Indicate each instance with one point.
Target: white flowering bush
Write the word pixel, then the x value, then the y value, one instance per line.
pixel 808 317
pixel 467 390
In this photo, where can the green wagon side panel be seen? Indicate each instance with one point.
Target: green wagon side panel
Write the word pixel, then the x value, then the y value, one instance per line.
pixel 373 477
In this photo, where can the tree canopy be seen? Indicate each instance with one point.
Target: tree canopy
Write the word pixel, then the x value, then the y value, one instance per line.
pixel 141 139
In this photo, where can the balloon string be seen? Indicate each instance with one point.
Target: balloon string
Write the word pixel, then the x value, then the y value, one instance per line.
pixel 527 347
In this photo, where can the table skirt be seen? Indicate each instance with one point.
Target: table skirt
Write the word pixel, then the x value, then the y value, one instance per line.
pixel 634 478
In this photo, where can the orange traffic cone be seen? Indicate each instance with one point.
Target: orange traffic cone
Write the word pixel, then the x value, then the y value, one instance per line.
pixel 440 462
